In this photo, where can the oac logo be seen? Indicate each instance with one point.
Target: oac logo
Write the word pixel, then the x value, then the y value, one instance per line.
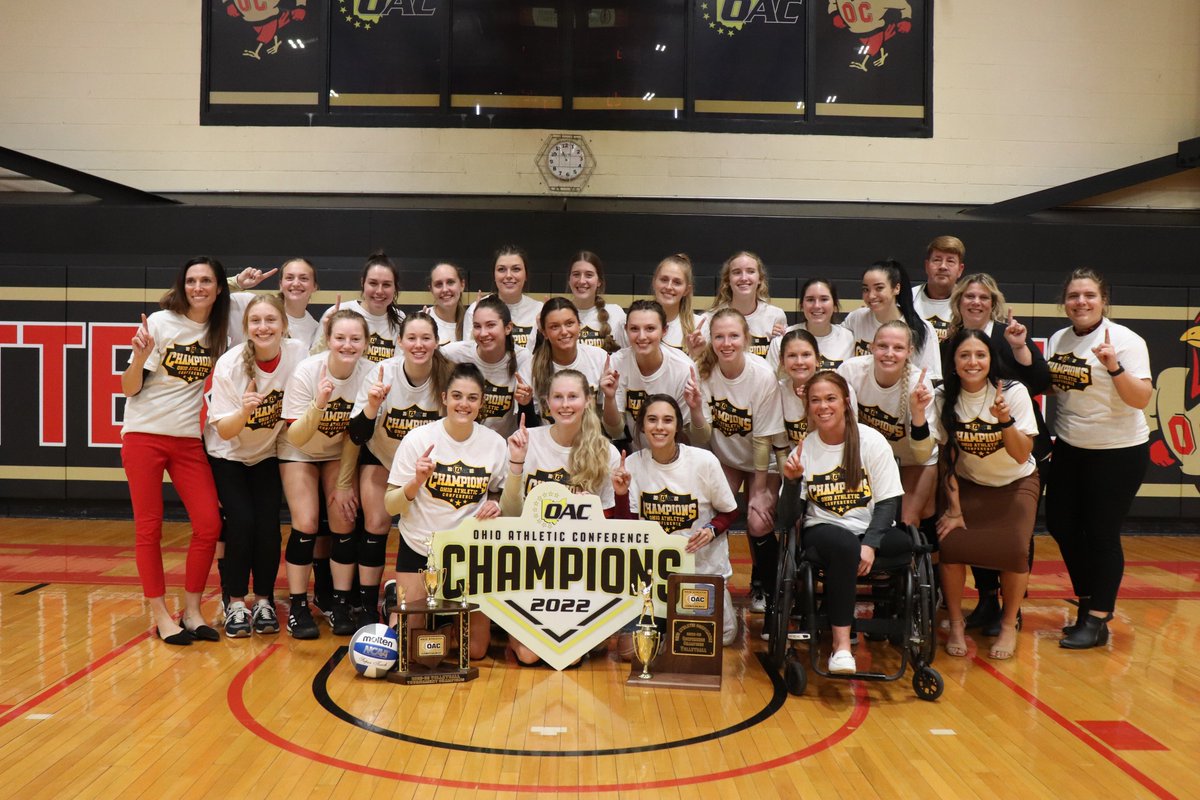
pixel 379 348
pixel 830 492
pixel 674 512
pixel 188 362
pixel 1067 372
pixel 497 401
pixel 729 419
pixel 554 509
pixel 874 22
pixel 540 476
pixel 399 421
pixel 268 413
pixel 365 14
pixel 891 427
pixel 796 429
pixel 728 17
pixel 979 438
pixel 458 484
pixel 336 417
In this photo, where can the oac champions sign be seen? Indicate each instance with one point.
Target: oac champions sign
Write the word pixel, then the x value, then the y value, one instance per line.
pixel 559 577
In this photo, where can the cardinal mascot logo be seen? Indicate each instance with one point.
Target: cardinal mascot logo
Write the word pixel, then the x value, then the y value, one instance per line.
pixel 1174 411
pixel 873 22
pixel 266 18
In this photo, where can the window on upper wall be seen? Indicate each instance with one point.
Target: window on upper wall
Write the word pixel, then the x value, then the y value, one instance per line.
pixel 759 66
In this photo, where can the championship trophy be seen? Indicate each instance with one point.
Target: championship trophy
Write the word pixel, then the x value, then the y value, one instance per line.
pixel 433 577
pixel 647 641
pixel 426 648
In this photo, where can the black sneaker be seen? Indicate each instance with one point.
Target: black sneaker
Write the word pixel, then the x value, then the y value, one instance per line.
pixel 390 600
pixel 364 617
pixel 300 624
pixel 237 620
pixel 341 620
pixel 263 617
pixel 324 605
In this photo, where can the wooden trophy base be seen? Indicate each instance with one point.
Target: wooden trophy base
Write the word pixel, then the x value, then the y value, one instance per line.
pixel 674 680
pixel 692 647
pixel 425 651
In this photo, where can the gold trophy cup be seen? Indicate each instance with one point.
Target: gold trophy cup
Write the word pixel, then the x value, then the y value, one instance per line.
pixel 433 577
pixel 647 640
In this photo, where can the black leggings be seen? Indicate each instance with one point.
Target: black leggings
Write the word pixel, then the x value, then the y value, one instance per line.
pixel 1089 494
pixel 840 551
pixel 250 500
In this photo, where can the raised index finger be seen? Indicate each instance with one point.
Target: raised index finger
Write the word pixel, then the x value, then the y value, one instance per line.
pixel 923 371
pixel 1010 317
pixel 266 275
pixel 622 459
pixel 381 373
pixel 428 452
pixel 1107 338
pixel 145 322
pixel 522 423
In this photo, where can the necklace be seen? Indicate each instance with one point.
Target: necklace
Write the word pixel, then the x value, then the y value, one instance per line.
pixel 1081 334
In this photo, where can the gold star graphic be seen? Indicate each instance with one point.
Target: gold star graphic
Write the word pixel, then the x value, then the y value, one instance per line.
pixel 712 25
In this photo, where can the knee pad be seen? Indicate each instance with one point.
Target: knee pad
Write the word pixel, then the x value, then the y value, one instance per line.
pixel 372 549
pixel 345 548
pixel 300 547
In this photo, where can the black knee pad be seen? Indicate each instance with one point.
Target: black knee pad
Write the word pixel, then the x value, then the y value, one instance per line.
pixel 300 547
pixel 345 548
pixel 372 549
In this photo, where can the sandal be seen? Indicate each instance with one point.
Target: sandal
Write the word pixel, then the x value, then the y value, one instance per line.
pixel 957 647
pixel 1003 650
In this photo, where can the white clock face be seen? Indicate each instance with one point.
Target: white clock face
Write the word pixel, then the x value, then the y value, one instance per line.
pixel 566 160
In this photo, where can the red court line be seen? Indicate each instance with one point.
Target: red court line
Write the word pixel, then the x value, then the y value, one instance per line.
pixel 15 711
pixel 1075 730
pixel 237 705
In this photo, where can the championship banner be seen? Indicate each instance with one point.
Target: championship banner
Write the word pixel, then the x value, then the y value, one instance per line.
pixel 560 578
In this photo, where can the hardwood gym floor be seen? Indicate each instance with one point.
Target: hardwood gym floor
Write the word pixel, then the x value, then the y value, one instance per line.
pixel 91 705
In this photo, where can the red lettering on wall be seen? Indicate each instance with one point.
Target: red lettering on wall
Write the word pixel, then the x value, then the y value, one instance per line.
pixel 52 340
pixel 104 381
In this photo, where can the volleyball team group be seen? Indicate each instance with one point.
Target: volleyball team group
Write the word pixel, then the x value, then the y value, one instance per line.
pixel 916 409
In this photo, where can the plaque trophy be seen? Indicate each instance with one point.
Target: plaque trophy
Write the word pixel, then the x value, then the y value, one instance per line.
pixel 426 649
pixel 690 655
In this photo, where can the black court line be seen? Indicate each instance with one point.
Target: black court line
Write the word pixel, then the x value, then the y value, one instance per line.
pixel 32 589
pixel 321 693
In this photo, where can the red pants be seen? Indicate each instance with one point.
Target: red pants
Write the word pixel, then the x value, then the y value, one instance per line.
pixel 145 457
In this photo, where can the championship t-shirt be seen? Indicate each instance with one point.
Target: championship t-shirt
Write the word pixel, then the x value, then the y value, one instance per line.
pixel 832 349
pixel 633 387
pixel 589 325
pixel 524 315
pixel 795 417
pixel 761 322
pixel 257 440
pixel 405 408
pixel 982 458
pixel 303 329
pixel 326 442
pixel 499 411
pixel 463 475
pixel 683 496
pixel 447 332
pixel 862 323
pixel 886 409
pixel 1088 412
pixel 173 391
pixel 382 336
pixel 546 461
pixel 739 409
pixel 936 312
pixel 673 335
pixel 823 484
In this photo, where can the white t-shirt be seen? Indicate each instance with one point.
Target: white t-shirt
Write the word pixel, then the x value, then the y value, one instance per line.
pixel 326 442
pixel 303 329
pixel 673 335
pixel 257 440
pixel 739 409
pixel 447 331
pixel 546 462
pixel 982 458
pixel 862 323
pixel 524 315
pixel 832 349
pixel 823 484
pixel 633 387
pixel 463 475
pixel 589 360
pixel 499 411
pixel 936 312
pixel 762 322
pixel 886 410
pixel 589 325
pixel 405 408
pixel 683 497
pixel 795 417
pixel 383 336
pixel 1088 412
pixel 172 394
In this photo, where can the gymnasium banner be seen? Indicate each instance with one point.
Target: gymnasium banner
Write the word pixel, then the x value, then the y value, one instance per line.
pixel 560 578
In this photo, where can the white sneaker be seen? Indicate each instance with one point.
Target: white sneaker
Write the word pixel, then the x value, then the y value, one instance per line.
pixel 758 601
pixel 842 663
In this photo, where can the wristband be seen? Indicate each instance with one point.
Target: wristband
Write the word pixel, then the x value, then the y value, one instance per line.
pixel 515 462
pixel 1008 424
pixel 1112 373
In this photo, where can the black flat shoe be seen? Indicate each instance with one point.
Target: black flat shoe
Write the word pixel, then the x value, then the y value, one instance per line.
pixel 993 628
pixel 201 632
pixel 1092 632
pixel 986 614
pixel 1085 603
pixel 183 638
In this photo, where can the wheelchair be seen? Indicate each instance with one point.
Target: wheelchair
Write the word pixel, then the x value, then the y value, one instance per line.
pixel 903 590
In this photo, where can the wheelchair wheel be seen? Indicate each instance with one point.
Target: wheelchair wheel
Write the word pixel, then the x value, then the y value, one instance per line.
pixel 795 677
pixel 785 598
pixel 927 683
pixel 922 637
